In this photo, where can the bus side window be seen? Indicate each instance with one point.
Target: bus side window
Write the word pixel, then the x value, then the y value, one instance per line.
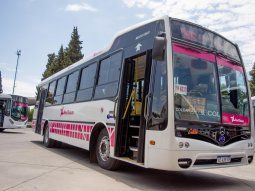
pixel 108 78
pixel 87 81
pixel 60 90
pixel 71 86
pixel 51 91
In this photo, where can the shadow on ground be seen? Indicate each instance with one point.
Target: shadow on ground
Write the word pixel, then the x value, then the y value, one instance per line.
pixel 150 179
pixel 11 132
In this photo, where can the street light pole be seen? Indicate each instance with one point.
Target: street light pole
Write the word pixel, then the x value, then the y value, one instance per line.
pixel 16 71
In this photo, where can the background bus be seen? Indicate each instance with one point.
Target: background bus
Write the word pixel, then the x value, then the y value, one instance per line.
pixel 167 94
pixel 13 111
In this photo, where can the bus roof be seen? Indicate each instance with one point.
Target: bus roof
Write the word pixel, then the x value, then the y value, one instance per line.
pixel 5 96
pixel 102 51
pixel 118 34
pixel 19 98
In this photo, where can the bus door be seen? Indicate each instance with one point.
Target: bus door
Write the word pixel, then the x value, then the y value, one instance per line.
pixel 131 121
pixel 42 96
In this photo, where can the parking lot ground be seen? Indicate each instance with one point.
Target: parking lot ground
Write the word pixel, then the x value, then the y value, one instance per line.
pixel 25 164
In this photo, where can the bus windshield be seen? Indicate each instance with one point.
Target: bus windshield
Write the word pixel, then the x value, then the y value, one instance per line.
pixel 19 111
pixel 196 97
pixel 196 91
pixel 233 93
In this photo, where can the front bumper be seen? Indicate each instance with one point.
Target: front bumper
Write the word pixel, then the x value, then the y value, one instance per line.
pixel 201 155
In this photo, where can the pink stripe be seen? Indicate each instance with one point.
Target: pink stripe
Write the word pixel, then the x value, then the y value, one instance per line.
pixel 193 52
pixel 235 119
pixel 70 130
pixel 224 62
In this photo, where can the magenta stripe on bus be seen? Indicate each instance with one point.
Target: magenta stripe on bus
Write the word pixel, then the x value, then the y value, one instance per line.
pixel 224 62
pixel 194 53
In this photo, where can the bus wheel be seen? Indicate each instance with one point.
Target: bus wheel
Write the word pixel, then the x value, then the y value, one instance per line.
pixel 103 152
pixel 1 130
pixel 47 141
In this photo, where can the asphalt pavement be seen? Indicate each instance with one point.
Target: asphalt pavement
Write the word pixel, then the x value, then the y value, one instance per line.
pixel 26 165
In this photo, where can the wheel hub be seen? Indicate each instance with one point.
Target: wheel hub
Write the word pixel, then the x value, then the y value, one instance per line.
pixel 104 148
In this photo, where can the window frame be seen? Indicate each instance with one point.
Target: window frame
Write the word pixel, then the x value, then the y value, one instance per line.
pixel 79 82
pixel 53 95
pixel 97 62
pixel 76 88
pixel 120 74
pixel 56 86
pixel 67 78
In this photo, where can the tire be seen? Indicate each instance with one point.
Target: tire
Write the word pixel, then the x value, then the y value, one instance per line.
pixel 103 152
pixel 58 144
pixel 48 142
pixel 1 130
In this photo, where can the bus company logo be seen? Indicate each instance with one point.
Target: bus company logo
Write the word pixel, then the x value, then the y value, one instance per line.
pixel 236 120
pixel 64 111
pixel 222 139
pixel 110 115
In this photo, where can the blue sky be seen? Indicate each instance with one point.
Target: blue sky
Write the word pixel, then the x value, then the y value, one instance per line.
pixel 39 27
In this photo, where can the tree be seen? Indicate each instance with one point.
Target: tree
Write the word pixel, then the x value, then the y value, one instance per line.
pixel 60 62
pixel 74 47
pixel 66 56
pixel 252 81
pixel 50 66
pixel 30 114
pixel 67 60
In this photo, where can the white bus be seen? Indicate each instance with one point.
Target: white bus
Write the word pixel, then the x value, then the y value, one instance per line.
pixel 167 94
pixel 13 111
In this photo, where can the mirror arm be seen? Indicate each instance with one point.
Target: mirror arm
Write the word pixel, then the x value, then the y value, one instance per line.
pixel 115 105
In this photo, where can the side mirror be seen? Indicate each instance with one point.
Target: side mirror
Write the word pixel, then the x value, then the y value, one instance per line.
pixel 159 46
pixel 7 112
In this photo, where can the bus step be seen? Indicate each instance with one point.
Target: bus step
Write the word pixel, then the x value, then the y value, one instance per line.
pixel 134 149
pixel 135 137
pixel 134 126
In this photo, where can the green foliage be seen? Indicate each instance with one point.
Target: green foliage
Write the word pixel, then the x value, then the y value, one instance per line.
pixel 30 114
pixel 252 88
pixel 74 47
pixel 67 60
pixel 65 57
pixel 252 81
pixel 50 66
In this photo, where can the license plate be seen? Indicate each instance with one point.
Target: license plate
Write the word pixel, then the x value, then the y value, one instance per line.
pixel 223 159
